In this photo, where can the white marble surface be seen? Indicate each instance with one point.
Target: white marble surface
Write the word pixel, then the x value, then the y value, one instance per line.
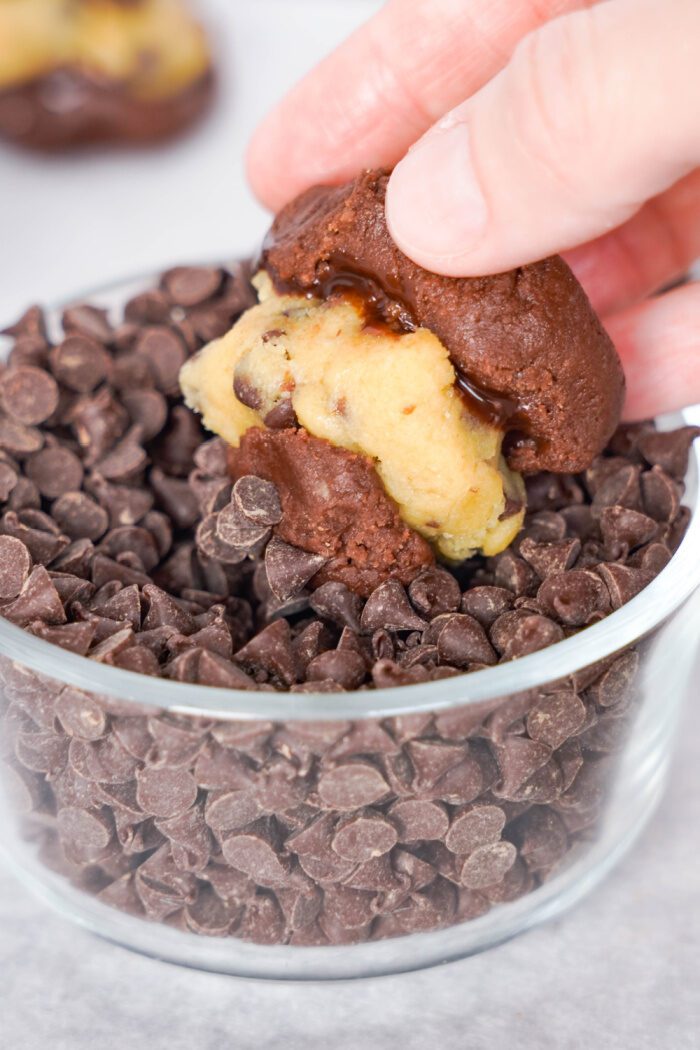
pixel 619 972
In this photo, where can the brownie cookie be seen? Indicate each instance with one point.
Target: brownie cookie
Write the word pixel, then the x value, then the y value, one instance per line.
pixel 100 71
pixel 331 502
pixel 526 344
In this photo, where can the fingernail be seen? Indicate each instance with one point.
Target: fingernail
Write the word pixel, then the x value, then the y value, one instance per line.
pixel 435 206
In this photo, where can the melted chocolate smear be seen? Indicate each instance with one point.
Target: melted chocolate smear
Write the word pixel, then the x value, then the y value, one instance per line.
pixel 491 408
pixel 387 308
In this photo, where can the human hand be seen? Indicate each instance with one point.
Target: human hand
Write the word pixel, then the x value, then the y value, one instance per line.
pixel 580 134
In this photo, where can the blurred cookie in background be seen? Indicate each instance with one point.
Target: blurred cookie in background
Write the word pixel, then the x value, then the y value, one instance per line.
pixel 78 72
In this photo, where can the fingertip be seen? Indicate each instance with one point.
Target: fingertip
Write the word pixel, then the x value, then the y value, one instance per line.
pixel 260 167
pixel 436 210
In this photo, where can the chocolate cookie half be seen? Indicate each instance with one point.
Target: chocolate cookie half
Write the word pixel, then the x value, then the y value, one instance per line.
pixel 528 349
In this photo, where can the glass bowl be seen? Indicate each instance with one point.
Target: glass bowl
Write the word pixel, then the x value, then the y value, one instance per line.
pixel 373 832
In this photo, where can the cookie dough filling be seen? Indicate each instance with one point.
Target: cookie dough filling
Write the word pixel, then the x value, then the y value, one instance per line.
pixel 95 69
pixel 391 397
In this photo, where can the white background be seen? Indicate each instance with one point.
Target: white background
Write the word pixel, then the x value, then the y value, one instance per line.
pixel 70 223
pixel 618 973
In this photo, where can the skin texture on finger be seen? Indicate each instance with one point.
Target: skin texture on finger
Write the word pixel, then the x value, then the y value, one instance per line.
pixel 365 104
pixel 656 246
pixel 597 112
pixel 659 343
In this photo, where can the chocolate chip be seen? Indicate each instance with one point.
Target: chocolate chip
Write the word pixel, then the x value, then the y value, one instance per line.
pixel 208 915
pixel 626 528
pixel 125 459
pixel 8 479
pixel 89 320
pixel 548 559
pixel 518 760
pixel 555 718
pixel 620 488
pixel 215 670
pixel 32 322
pixel 235 529
pixel 623 582
pixel 164 611
pixel 346 668
pixel 263 921
pixel 257 500
pixel 80 363
pixel 271 650
pixel 419 820
pixel 98 421
pixel 289 568
pixel 166 355
pixel 300 904
pixel 518 633
pixel 660 494
pixel 474 826
pixel 612 687
pixel 19 439
pixel 546 526
pixel 541 837
pixel 191 285
pixel 573 596
pixel 334 602
pixel 80 517
pixel 486 604
pixel 351 785
pixel 29 395
pixel 388 606
pixel 148 307
pixel 364 835
pixel 134 539
pixel 84 834
pixel 37 600
pixel 55 471
pixel 211 457
pixel 462 641
pixel 75 637
pixel 174 496
pixel 15 565
pixel 165 792
pixel 669 450
pixel 257 853
pixel 79 713
pixel 281 416
pixel 434 591
pixel 42 752
pixel 347 908
pixel 211 546
pixel 148 410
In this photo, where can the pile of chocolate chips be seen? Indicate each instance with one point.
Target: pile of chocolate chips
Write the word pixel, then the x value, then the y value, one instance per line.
pixel 122 539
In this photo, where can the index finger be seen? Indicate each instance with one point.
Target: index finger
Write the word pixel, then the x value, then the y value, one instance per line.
pixel 365 104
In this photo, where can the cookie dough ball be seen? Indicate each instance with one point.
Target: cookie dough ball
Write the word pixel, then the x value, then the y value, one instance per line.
pixel 526 343
pixel 389 397
pixel 100 70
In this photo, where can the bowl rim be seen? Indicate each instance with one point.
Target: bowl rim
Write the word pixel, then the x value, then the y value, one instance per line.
pixel 663 596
